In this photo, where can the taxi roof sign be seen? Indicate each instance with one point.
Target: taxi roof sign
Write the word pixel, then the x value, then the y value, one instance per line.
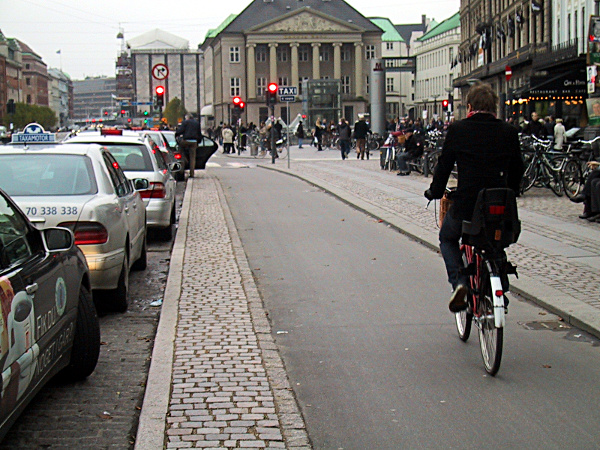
pixel 33 133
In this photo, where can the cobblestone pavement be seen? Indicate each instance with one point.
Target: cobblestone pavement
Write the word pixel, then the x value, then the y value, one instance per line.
pixel 228 388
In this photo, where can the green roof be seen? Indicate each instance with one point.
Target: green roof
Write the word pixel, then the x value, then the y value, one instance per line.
pixel 215 31
pixel 390 34
pixel 449 24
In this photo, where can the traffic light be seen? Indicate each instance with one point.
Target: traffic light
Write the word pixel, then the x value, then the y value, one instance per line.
pixel 271 93
pixel 105 113
pixel 123 113
pixel 241 105
pixel 238 105
pixel 145 113
pixel 160 95
pixel 445 105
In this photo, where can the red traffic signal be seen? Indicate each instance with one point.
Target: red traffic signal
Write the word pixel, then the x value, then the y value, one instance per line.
pixel 123 113
pixel 237 101
pixel 160 95
pixel 241 105
pixel 271 93
pixel 445 103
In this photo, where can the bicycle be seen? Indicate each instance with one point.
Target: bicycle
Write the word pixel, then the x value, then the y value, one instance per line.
pixel 544 167
pixel 494 226
pixel 576 169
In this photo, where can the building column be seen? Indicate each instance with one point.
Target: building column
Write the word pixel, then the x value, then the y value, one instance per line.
pixel 337 60
pixel 273 63
pixel 251 74
pixel 358 69
pixel 316 62
pixel 294 50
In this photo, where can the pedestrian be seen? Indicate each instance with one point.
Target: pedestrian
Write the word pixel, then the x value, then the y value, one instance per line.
pixel 534 127
pixel 361 130
pixel 345 133
pixel 263 134
pixel 487 153
pixel 218 133
pixel 559 134
pixel 227 135
pixel 300 134
pixel 413 149
pixel 549 125
pixel 318 134
pixel 191 134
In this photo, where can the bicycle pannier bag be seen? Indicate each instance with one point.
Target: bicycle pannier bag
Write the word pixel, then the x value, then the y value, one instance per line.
pixel 495 223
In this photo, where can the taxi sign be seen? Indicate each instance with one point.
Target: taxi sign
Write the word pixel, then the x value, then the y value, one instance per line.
pixel 33 133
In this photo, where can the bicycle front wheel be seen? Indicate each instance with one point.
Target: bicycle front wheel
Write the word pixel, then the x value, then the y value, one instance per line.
pixel 490 337
pixel 572 178
pixel 529 177
pixel 282 152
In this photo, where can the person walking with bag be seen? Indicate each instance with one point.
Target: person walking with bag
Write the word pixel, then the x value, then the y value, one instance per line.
pixel 228 137
pixel 191 134
pixel 300 134
pixel 344 132
pixel 361 130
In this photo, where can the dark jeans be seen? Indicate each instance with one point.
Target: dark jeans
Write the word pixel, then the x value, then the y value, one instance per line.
pixel 401 159
pixel 450 247
pixel 344 147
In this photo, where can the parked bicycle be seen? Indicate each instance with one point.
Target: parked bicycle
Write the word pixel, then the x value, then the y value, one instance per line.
pixel 576 169
pixel 495 226
pixel 544 166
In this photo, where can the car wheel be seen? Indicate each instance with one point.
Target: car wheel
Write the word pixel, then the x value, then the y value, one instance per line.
pixel 166 234
pixel 119 299
pixel 142 261
pixel 86 342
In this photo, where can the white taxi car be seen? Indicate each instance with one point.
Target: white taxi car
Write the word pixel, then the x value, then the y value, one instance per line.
pixel 81 187
pixel 139 160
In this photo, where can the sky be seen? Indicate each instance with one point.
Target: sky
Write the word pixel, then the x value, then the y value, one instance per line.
pixel 85 32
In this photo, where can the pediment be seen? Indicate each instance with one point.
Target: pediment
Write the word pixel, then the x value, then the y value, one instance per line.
pixel 305 21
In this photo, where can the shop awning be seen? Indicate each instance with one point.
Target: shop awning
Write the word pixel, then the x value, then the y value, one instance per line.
pixel 569 83
pixel 207 111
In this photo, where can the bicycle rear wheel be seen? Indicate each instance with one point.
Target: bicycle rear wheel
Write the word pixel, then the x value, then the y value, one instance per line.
pixel 529 177
pixel 490 337
pixel 572 178
pixel 464 319
pixel 432 160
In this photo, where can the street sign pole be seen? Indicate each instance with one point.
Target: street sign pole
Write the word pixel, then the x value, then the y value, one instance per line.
pixel 273 145
pixel 288 133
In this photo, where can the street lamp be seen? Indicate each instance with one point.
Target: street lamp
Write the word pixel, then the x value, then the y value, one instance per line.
pixel 435 97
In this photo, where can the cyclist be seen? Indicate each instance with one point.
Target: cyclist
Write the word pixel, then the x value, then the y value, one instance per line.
pixel 487 155
pixel 413 149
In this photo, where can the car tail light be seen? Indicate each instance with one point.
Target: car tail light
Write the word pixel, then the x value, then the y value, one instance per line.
pixel 87 233
pixel 156 190
pixel 105 132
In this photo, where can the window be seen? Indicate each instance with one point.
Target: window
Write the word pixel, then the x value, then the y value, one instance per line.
pixel 261 85
pixel 346 53
pixel 389 84
pixel 234 54
pixel 234 86
pixel 303 52
pixel 346 84
pixel 261 54
pixel 283 81
pixel 120 182
pixel 28 81
pixel 368 86
pixel 27 66
pixel 13 236
pixel 450 54
pixel 370 52
pixel 282 54
pixel 324 54
pixel 29 99
pixel 389 46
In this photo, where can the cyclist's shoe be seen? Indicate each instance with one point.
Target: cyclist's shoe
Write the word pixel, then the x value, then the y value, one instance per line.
pixel 458 301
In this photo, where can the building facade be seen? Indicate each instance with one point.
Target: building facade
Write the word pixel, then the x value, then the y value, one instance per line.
pixel 529 51
pixel 35 77
pixel 61 96
pixel 182 78
pixel 437 67
pixel 92 97
pixel 287 42
pixel 11 65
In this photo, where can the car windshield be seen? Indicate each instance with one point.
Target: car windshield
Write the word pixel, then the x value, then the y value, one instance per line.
pixel 133 157
pixel 47 175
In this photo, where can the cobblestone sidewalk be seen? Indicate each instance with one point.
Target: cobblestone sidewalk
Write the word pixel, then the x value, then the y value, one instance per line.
pixel 228 388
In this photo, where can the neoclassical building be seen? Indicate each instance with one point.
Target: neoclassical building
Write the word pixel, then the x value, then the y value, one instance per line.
pixel 288 42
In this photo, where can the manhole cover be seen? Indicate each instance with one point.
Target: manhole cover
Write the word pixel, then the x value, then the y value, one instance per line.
pixel 552 325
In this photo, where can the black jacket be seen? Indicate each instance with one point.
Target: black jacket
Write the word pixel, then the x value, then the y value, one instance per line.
pixel 361 129
pixel 344 131
pixel 487 155
pixel 189 130
pixel 414 146
pixel 535 128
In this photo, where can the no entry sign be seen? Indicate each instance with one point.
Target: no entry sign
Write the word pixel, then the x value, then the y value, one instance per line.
pixel 508 73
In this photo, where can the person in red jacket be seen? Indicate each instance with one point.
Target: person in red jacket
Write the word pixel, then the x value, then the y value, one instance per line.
pixel 487 154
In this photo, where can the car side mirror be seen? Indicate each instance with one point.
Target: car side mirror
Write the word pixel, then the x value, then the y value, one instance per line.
pixel 58 239
pixel 175 166
pixel 141 184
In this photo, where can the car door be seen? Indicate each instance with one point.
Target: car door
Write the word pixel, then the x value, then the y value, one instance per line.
pixel 131 203
pixel 33 297
pixel 167 177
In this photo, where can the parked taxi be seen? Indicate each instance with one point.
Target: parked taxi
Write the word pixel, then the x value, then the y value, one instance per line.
pixel 83 188
pixel 48 323
pixel 139 160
